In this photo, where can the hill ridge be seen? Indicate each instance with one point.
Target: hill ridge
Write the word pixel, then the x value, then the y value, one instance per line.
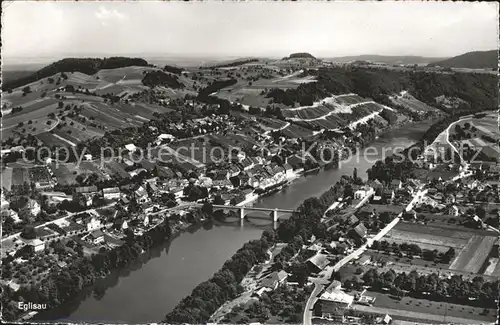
pixel 471 60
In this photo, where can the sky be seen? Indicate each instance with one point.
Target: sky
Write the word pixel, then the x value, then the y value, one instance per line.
pixel 224 29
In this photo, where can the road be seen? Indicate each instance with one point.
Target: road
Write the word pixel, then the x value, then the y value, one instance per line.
pixel 70 214
pixel 319 286
pixel 447 137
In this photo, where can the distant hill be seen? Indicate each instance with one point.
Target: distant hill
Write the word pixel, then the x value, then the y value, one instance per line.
pixel 471 60
pixel 301 55
pixel 387 59
pixel 88 66
pixel 235 63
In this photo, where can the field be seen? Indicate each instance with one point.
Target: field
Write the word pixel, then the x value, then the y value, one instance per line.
pixel 7 178
pixel 295 131
pixel 271 124
pixel 39 174
pixel 66 173
pixel 432 236
pixel 429 310
pixel 472 257
pixel 117 169
pixel 472 247
pixel 349 99
pixel 205 150
pixel 110 118
pixel 20 176
pixel 51 140
pixel 334 112
pixel 408 101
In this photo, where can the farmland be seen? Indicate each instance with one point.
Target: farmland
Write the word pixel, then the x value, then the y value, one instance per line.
pixel 334 112
pixel 408 101
pixel 6 178
pixel 270 124
pixel 296 131
pixel 425 309
pixel 472 247
pixel 474 254
pixel 434 237
pixel 20 176
pixel 66 173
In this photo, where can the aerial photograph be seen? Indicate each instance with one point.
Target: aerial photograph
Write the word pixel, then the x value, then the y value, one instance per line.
pixel 219 162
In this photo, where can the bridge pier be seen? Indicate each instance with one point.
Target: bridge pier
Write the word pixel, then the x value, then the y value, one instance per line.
pixel 242 213
pixel 275 215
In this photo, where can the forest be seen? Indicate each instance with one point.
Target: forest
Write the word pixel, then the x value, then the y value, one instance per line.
pixel 478 90
pixel 160 78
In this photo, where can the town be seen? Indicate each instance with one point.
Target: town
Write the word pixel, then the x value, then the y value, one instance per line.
pixel 293 187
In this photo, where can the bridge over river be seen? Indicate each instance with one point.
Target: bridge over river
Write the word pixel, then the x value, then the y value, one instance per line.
pixel 274 213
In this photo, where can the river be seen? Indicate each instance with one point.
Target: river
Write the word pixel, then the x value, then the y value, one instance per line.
pixel 152 286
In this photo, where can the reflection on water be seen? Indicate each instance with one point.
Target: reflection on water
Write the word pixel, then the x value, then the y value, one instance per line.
pixel 151 286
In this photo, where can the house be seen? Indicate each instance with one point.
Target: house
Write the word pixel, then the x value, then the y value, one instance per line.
pixel 5 204
pixel 233 171
pixel 86 189
pixel 10 214
pixel 388 195
pixel 454 211
pixel 91 222
pixel 410 215
pixel 365 259
pixel 358 233
pixel 396 184
pixel 130 147
pixel 88 157
pixel 178 192
pixel 141 195
pixel 96 237
pixel 274 280
pixel 360 194
pixel 288 171
pixel 37 245
pixel 247 164
pixel 449 199
pixel 384 320
pixel 248 193
pixel 376 184
pixel 111 193
pixel 165 138
pixel 335 285
pixel 317 263
pixel 34 207
pixel 314 248
pixel 332 305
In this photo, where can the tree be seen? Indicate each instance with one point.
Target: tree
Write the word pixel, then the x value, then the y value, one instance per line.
pixel 385 217
pixel 207 208
pixel 28 232
pixel 26 90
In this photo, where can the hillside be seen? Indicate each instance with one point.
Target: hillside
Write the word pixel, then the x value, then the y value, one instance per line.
pixel 88 66
pixel 477 90
pixel 301 55
pixel 386 59
pixel 471 60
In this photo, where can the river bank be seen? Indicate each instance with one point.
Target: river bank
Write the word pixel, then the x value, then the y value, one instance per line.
pixel 171 271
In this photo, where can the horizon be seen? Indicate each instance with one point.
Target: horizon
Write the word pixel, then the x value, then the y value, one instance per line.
pixel 52 31
pixel 37 60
